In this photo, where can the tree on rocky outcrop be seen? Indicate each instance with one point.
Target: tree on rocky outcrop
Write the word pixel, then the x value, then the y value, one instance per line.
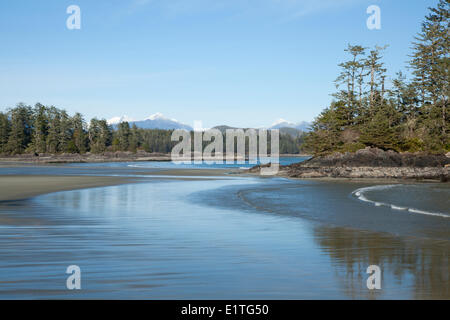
pixel 401 115
pixel 352 75
pixel 382 130
pixel 430 63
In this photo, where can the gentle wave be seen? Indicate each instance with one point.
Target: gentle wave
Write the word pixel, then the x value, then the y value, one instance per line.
pixel 360 194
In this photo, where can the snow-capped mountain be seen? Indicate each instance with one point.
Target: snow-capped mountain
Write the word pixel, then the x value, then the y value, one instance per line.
pixel 117 120
pixel 281 123
pixel 155 121
pixel 158 121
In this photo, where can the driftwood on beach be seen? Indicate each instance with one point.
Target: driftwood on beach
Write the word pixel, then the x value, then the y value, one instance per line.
pixel 370 163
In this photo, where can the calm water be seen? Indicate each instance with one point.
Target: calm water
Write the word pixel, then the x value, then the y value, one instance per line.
pixel 239 237
pixel 204 165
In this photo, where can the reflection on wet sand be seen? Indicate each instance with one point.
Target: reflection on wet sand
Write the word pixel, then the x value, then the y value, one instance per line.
pixel 422 265
pixel 411 249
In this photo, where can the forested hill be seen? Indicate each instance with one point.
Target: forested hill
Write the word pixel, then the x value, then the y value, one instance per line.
pixel 373 109
pixel 49 130
pixel 42 129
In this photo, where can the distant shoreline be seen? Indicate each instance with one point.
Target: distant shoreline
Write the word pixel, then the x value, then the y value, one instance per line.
pixel 98 158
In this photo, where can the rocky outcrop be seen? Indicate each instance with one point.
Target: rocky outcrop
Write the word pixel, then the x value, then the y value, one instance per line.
pixel 435 173
pixel 373 157
pixel 371 163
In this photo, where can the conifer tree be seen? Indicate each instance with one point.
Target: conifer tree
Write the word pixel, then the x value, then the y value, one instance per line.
pixel 79 134
pixel 376 72
pixel 351 75
pixel 54 127
pixel 431 62
pixel 21 129
pixel 123 136
pixel 5 128
pixel 65 142
pixel 40 123
pixel 134 138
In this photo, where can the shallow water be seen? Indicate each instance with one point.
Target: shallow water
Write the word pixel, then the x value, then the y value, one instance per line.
pixel 237 238
pixel 189 165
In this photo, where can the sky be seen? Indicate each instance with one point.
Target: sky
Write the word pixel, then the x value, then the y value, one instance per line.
pixel 242 63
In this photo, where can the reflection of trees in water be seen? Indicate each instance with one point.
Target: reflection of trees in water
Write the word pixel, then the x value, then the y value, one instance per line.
pixel 424 265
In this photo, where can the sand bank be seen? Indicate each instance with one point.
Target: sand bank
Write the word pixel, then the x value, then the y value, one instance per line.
pixel 23 187
pixel 18 187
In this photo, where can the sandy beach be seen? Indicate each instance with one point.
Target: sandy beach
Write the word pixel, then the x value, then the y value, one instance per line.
pixel 18 187
pixel 23 187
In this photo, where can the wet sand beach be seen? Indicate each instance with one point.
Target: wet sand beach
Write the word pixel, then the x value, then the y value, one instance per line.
pixel 23 187
pixel 19 187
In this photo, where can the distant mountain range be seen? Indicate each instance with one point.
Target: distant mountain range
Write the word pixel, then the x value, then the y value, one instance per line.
pixel 155 121
pixel 158 121
pixel 281 123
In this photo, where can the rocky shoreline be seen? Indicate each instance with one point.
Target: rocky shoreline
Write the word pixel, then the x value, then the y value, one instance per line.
pixel 118 156
pixel 370 163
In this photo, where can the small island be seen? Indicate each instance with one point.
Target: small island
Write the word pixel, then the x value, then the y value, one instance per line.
pixel 372 163
pixel 381 125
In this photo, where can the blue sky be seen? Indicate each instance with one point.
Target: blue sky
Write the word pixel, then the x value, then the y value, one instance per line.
pixel 235 62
